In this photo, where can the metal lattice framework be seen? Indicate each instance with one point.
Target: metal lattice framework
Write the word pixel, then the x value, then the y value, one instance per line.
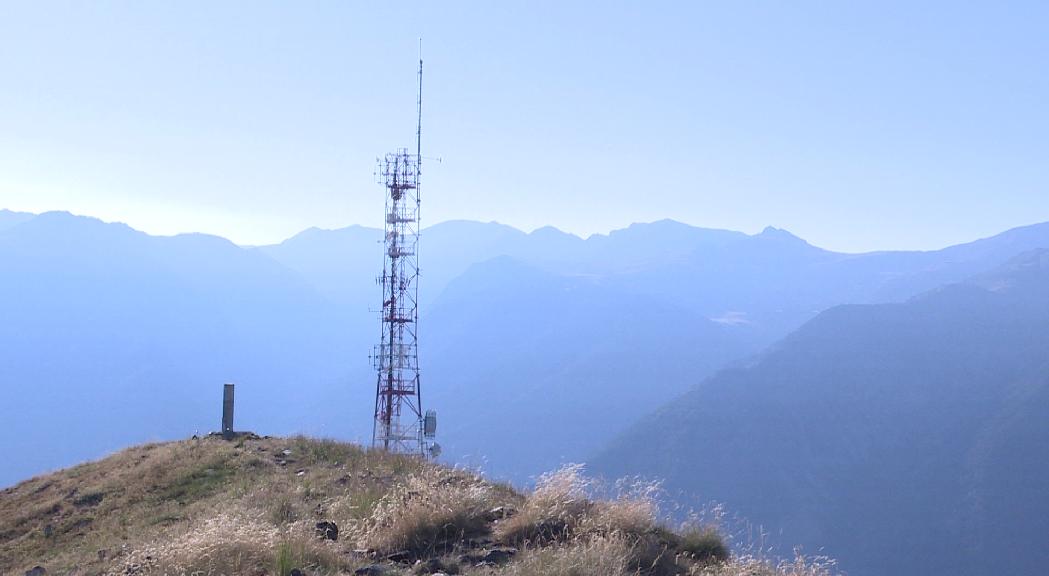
pixel 400 424
pixel 398 404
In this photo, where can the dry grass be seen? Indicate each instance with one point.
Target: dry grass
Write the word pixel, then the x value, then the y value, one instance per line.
pixel 168 501
pixel 430 513
pixel 552 512
pixel 605 556
pixel 224 544
pixel 749 566
pixel 562 513
pixel 105 505
pixel 703 544
pixel 207 507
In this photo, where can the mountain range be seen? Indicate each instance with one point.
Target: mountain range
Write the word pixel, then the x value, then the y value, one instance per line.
pixel 903 438
pixel 536 348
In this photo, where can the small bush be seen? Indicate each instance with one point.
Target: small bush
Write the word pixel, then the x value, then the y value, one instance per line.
pixel 312 451
pixel 430 513
pixel 651 554
pixel 552 512
pixel 559 510
pixel 703 545
pixel 626 515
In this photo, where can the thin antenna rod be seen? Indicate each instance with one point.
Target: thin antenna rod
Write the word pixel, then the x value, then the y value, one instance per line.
pixel 419 125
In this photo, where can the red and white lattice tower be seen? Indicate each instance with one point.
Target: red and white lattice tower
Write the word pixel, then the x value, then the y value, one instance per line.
pixel 401 425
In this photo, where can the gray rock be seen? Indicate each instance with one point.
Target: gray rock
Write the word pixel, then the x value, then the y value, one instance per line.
pixel 499 513
pixel 328 531
pixel 432 566
pixel 489 557
pixel 499 555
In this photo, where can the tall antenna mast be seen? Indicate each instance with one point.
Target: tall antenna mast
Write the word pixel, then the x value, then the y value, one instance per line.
pixel 419 124
pixel 401 425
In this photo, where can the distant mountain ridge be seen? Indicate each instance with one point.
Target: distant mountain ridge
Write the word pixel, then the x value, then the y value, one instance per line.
pixel 904 438
pixel 716 273
pixel 611 326
pixel 9 218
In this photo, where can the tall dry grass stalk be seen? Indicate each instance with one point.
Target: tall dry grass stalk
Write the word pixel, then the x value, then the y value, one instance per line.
pixel 601 556
pixel 429 513
pixel 552 512
pixel 752 566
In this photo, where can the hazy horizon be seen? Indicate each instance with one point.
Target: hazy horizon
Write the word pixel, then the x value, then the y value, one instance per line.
pixel 525 231
pixel 858 127
pixel 773 273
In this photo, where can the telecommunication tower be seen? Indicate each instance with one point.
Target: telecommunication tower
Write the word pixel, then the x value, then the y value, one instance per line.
pixel 401 425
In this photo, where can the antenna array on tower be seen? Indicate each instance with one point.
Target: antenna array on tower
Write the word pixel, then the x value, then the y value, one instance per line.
pixel 401 425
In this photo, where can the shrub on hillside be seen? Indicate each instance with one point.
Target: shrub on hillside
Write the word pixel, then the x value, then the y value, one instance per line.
pixel 560 511
pixel 552 512
pixel 703 545
pixel 430 513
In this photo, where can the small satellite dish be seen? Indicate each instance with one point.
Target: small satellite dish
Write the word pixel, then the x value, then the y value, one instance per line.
pixel 435 450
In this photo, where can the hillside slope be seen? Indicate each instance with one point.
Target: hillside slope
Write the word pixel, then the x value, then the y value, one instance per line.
pixel 532 370
pixel 282 506
pixel 900 438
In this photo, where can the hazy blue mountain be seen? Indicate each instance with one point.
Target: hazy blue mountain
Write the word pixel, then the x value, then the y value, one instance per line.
pixel 109 336
pixel 904 438
pixel 763 285
pixel 143 330
pixel 532 370
pixel 344 263
pixel 9 218
pixel 611 325
pixel 341 264
pixel 770 283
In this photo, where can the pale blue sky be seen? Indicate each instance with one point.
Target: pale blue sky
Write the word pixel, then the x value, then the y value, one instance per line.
pixel 857 125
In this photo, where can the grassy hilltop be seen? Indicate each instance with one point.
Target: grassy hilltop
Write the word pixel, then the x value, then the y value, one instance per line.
pixel 284 506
